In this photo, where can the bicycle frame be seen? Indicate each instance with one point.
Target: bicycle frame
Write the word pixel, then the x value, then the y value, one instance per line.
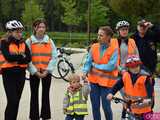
pixel 131 116
pixel 66 57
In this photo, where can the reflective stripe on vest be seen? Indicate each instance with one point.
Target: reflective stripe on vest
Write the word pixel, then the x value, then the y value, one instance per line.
pixel 77 105
pixel 101 77
pixel 102 74
pixel 41 54
pixel 135 92
pixel 14 50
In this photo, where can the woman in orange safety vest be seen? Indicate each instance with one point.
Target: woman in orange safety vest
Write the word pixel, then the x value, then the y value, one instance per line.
pixel 44 54
pixel 15 55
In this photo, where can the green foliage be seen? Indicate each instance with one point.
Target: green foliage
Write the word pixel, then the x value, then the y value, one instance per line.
pixel 53 11
pixel 134 10
pixel 11 9
pixel 70 13
pixel 63 14
pixel 98 14
pixel 31 12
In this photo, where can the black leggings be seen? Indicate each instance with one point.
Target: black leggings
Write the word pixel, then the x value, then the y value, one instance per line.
pixel 13 81
pixel 34 104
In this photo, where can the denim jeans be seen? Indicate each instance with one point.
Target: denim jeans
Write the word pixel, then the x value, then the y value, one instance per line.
pixel 99 93
pixel 77 117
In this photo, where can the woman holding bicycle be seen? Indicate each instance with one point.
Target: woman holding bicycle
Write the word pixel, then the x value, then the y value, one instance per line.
pixel 44 56
pixel 137 84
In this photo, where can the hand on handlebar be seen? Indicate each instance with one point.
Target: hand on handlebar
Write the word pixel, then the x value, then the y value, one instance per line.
pixel 146 101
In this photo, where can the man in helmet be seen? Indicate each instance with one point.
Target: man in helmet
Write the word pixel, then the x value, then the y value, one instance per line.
pixel 146 38
pixel 137 85
pixel 15 55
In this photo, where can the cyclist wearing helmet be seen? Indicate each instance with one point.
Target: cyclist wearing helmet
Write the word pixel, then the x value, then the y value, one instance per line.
pixel 137 85
pixel 16 56
pixel 127 45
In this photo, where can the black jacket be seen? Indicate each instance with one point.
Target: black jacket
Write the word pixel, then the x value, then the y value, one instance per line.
pixel 147 47
pixel 20 59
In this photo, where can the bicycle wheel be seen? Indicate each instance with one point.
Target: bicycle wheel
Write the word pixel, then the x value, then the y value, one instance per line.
pixel 55 73
pixel 65 69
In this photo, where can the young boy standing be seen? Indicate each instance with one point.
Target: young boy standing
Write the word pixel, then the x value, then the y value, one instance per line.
pixel 75 100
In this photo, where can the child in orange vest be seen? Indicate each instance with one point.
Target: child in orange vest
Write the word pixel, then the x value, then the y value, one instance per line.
pixel 137 84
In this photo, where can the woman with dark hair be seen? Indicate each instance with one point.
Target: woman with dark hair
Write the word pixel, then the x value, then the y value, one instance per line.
pixel 44 54
pixel 14 57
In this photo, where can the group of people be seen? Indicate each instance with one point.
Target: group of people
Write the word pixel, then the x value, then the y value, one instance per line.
pixel 112 64
pixel 37 54
pixel 123 63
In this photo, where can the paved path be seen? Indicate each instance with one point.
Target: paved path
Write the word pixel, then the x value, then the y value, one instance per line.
pixel 56 97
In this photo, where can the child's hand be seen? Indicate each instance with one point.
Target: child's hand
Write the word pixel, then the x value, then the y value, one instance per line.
pixel 109 96
pixel 146 101
pixel 64 110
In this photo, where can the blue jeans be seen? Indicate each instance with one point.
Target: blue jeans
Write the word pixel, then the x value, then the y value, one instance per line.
pixel 77 117
pixel 99 93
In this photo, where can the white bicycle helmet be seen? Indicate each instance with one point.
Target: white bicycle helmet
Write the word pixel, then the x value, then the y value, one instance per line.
pixel 122 24
pixel 14 24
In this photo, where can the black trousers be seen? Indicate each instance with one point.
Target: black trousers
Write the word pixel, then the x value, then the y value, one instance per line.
pixel 13 81
pixel 34 103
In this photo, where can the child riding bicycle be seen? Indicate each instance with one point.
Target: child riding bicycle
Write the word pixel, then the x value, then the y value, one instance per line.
pixel 137 84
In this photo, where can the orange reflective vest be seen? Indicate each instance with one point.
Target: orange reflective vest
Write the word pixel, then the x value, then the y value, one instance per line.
pixel 132 48
pixel 41 54
pixel 13 49
pixel 2 59
pixel 136 91
pixel 101 77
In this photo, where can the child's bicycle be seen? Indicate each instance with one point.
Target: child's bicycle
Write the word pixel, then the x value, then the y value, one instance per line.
pixel 129 115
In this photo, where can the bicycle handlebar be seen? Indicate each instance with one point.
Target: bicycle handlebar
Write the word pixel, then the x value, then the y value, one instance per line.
pixel 129 102
pixel 63 51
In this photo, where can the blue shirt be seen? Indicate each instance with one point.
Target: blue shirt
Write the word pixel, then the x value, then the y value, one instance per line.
pixel 110 66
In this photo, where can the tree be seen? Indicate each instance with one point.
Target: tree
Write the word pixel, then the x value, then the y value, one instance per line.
pixel 10 9
pixel 134 10
pixel 70 16
pixel 32 11
pixel 53 11
pixel 98 14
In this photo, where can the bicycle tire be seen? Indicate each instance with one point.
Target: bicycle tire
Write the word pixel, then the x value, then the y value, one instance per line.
pixel 56 74
pixel 65 71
